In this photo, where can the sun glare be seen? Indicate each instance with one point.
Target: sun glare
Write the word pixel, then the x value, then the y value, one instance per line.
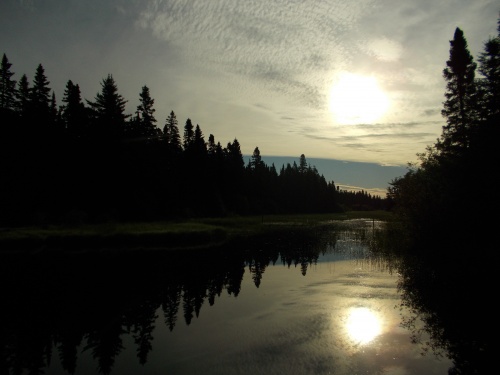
pixel 356 99
pixel 362 325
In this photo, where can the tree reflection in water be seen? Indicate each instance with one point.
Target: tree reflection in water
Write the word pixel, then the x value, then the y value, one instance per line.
pixel 92 300
pixel 443 282
pixel 63 301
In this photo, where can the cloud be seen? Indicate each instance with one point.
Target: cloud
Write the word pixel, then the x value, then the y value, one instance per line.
pixel 385 49
pixel 288 46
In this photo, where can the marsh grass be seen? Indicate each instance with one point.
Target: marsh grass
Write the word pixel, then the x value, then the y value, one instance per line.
pixel 192 233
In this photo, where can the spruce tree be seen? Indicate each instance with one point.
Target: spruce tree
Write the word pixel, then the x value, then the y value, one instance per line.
pixel 146 119
pixel 73 111
pixel 460 106
pixel 256 160
pixel 23 96
pixel 7 86
pixel 40 94
pixel 188 134
pixel 199 141
pixel 302 164
pixel 489 67
pixel 109 110
pixel 171 133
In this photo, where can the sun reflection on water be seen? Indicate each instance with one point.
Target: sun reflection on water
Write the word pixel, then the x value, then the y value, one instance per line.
pixel 363 325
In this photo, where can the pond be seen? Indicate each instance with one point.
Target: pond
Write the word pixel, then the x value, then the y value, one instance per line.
pixel 268 306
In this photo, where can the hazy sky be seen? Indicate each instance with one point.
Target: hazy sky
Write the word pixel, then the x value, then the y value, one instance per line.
pixel 264 72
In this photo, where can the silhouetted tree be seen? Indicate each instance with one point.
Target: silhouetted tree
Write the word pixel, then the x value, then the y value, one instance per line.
pixel 73 112
pixel 188 134
pixel 460 107
pixel 302 164
pixel 489 67
pixel 23 96
pixel 7 86
pixel 171 134
pixel 256 162
pixel 109 110
pixel 199 141
pixel 146 119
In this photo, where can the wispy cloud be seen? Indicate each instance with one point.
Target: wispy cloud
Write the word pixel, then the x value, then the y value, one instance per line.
pixel 288 46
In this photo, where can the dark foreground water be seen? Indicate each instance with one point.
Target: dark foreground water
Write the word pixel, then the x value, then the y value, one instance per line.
pixel 286 305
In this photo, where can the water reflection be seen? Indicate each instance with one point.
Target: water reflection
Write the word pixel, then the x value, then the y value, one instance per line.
pixel 362 325
pixel 297 302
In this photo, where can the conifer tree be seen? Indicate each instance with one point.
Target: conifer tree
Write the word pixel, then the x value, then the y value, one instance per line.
pixel 171 133
pixel 23 96
pixel 188 134
pixel 146 112
pixel 109 109
pixel 40 92
pixel 256 160
pixel 73 111
pixel 53 111
pixel 7 86
pixel 489 67
pixel 234 156
pixel 199 141
pixel 302 164
pixel 211 146
pixel 460 107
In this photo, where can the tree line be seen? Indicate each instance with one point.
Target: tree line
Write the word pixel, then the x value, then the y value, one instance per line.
pixel 88 160
pixel 448 208
pixel 442 194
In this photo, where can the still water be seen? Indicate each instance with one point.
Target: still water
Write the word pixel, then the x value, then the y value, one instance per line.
pixel 285 307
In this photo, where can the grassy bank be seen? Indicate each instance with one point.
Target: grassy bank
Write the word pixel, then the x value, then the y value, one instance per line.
pixel 193 233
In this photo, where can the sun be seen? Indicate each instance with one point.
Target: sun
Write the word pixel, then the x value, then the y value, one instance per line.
pixel 357 99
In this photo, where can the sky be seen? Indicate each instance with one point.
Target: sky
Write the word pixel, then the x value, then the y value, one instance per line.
pixel 357 83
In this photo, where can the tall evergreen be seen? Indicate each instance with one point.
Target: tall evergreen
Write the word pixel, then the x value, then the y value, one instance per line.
pixel 460 106
pixel 23 96
pixel 109 110
pixel 188 134
pixel 54 117
pixel 199 141
pixel 302 164
pixel 7 86
pixel 146 112
pixel 40 93
pixel 234 156
pixel 73 111
pixel 171 133
pixel 489 67
pixel 256 162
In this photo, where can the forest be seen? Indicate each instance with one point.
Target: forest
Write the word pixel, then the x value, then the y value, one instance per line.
pixel 90 161
pixel 446 208
pixel 447 197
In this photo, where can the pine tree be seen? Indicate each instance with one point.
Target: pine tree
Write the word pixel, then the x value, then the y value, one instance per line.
pixel 53 111
pixel 23 96
pixel 211 146
pixel 460 107
pixel 302 164
pixel 256 160
pixel 109 110
pixel 199 141
pixel 489 67
pixel 40 94
pixel 188 134
pixel 145 110
pixel 234 156
pixel 7 86
pixel 171 133
pixel 73 111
